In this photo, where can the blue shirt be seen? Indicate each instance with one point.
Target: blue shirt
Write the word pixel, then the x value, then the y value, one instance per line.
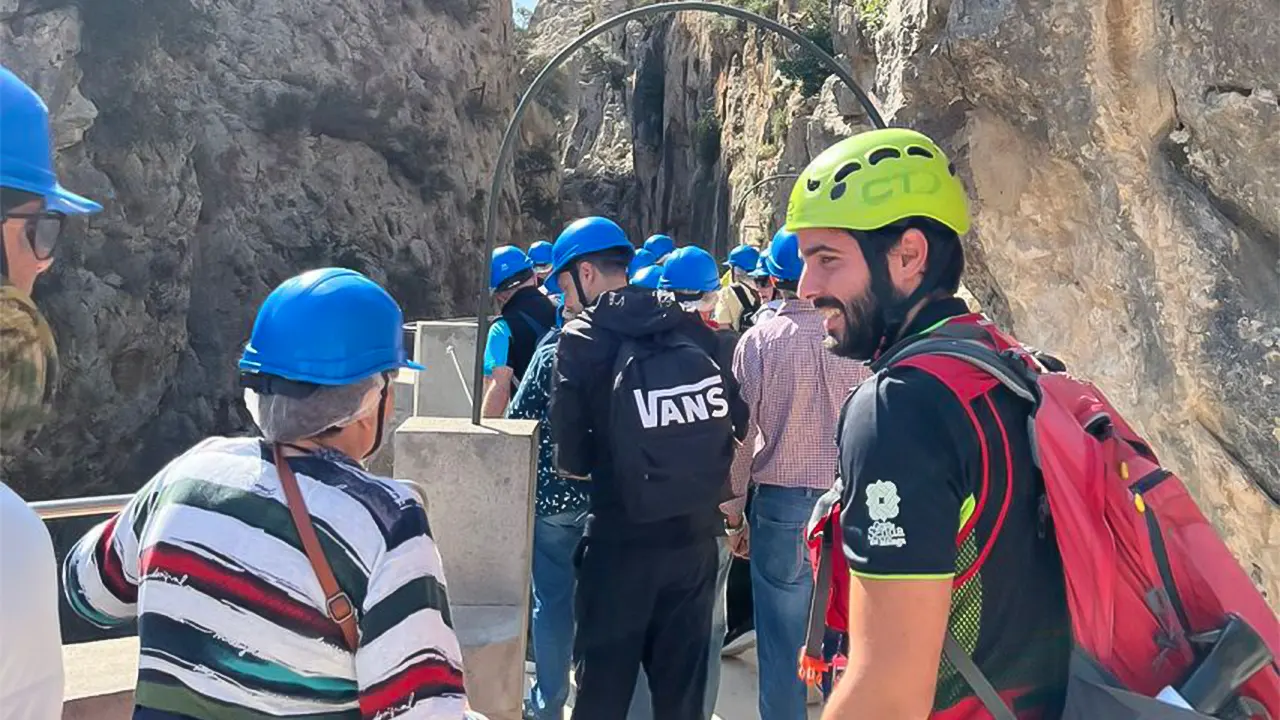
pixel 497 346
pixel 555 494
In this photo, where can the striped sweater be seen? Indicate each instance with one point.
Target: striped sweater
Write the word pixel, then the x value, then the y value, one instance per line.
pixel 230 614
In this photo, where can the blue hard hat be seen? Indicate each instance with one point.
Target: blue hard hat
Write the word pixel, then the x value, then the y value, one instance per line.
pixel 507 262
pixel 660 245
pixel 648 277
pixel 331 326
pixel 783 257
pixel 690 269
pixel 540 253
pixel 642 260
pixel 762 268
pixel 26 153
pixel 583 237
pixel 744 258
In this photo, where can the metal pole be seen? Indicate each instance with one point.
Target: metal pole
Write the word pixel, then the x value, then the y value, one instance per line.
pixel 466 389
pixel 112 504
pixel 80 507
pixel 544 76
pixel 742 202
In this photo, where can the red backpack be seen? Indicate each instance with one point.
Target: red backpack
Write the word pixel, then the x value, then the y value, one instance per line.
pixel 1155 597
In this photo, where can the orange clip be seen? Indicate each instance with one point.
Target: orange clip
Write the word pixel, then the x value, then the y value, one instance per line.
pixel 812 669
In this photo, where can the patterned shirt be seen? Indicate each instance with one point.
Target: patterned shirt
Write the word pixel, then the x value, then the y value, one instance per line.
pixel 795 388
pixel 230 613
pixel 555 494
pixel 28 367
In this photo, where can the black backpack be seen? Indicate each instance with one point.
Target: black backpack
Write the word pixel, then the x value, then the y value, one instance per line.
pixel 750 306
pixel 670 430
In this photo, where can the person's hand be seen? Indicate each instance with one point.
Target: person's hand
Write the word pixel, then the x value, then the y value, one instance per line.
pixel 740 544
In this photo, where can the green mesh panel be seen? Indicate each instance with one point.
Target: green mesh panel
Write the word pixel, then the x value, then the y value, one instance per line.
pixel 965 622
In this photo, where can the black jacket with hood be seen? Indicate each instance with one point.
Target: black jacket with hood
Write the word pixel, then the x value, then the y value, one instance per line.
pixel 582 393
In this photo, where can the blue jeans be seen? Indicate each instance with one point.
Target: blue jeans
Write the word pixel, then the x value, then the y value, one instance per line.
pixel 642 704
pixel 781 588
pixel 555 538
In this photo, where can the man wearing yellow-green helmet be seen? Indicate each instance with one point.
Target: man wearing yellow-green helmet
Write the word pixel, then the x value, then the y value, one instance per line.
pixel 938 506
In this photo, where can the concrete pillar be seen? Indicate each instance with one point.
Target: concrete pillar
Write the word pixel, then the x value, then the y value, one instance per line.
pixel 479 481
pixel 441 391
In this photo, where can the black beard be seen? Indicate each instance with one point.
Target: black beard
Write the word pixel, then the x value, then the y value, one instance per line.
pixel 863 326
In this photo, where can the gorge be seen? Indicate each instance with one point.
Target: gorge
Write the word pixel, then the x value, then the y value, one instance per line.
pixel 1124 160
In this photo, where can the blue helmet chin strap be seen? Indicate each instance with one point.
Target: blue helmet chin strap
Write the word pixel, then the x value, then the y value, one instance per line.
pixel 382 417
pixel 577 284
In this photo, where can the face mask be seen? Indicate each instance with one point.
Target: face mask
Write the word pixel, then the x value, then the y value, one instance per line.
pixel 381 418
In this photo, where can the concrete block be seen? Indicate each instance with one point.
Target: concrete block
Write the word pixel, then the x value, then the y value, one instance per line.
pixel 99 679
pixel 493 639
pixel 480 481
pixel 442 390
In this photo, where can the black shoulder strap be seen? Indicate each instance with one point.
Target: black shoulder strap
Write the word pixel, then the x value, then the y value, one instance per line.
pixel 745 299
pixel 977 354
pixel 538 329
pixel 982 688
pixel 814 632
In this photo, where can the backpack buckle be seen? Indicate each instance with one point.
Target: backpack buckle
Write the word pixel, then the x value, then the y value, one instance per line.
pixel 339 607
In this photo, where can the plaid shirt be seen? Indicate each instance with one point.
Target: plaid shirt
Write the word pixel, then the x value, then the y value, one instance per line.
pixel 794 388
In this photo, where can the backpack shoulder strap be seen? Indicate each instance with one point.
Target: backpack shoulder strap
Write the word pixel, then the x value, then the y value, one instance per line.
pixel 337 605
pixel 539 330
pixel 745 298
pixel 982 687
pixel 975 353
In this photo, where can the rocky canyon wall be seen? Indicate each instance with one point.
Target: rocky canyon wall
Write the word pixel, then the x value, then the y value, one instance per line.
pixel 1123 157
pixel 235 143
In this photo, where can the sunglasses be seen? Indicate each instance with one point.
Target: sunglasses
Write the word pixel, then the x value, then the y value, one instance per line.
pixel 42 230
pixel 761 281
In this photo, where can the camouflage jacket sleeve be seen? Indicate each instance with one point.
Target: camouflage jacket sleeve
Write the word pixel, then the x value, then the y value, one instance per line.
pixel 28 367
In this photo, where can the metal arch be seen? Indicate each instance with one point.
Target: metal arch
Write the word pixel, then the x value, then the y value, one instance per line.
pixel 544 76
pixel 742 202
pixel 752 190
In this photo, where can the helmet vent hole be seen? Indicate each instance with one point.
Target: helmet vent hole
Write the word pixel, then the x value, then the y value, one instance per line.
pixel 951 168
pixel 919 152
pixel 846 170
pixel 884 154
pixel 812 185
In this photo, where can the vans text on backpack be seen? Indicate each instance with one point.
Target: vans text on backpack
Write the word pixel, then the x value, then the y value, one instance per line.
pixel 671 430
pixel 1158 604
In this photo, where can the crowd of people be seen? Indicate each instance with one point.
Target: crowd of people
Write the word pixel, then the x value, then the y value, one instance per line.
pixel 700 422
pixel 688 411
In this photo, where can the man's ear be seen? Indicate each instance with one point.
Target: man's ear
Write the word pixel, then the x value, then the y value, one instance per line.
pixel 908 259
pixel 587 272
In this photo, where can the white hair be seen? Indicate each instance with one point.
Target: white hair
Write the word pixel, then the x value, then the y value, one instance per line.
pixel 287 419
pixel 704 304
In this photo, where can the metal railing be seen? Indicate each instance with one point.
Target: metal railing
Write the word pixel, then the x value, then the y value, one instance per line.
pixel 79 507
pixel 111 504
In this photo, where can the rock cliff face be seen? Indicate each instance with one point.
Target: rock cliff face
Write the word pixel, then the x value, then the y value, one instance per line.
pixel 1123 157
pixel 235 143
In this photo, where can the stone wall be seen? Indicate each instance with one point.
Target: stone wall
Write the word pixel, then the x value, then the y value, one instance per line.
pixel 234 144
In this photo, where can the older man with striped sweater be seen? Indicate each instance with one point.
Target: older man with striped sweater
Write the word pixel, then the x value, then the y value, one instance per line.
pixel 274 576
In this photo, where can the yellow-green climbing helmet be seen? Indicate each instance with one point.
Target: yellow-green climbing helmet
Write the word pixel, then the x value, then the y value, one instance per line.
pixel 877 178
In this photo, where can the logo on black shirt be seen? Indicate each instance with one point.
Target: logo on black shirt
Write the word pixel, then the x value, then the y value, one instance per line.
pixel 882 507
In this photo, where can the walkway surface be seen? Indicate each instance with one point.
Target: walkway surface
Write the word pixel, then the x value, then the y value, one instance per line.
pixel 110 666
pixel 738 689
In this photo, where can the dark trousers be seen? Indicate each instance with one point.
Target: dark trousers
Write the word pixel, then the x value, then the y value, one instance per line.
pixel 741 610
pixel 643 606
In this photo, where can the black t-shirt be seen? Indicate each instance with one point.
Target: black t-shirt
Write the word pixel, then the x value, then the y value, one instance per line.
pixel 913 462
